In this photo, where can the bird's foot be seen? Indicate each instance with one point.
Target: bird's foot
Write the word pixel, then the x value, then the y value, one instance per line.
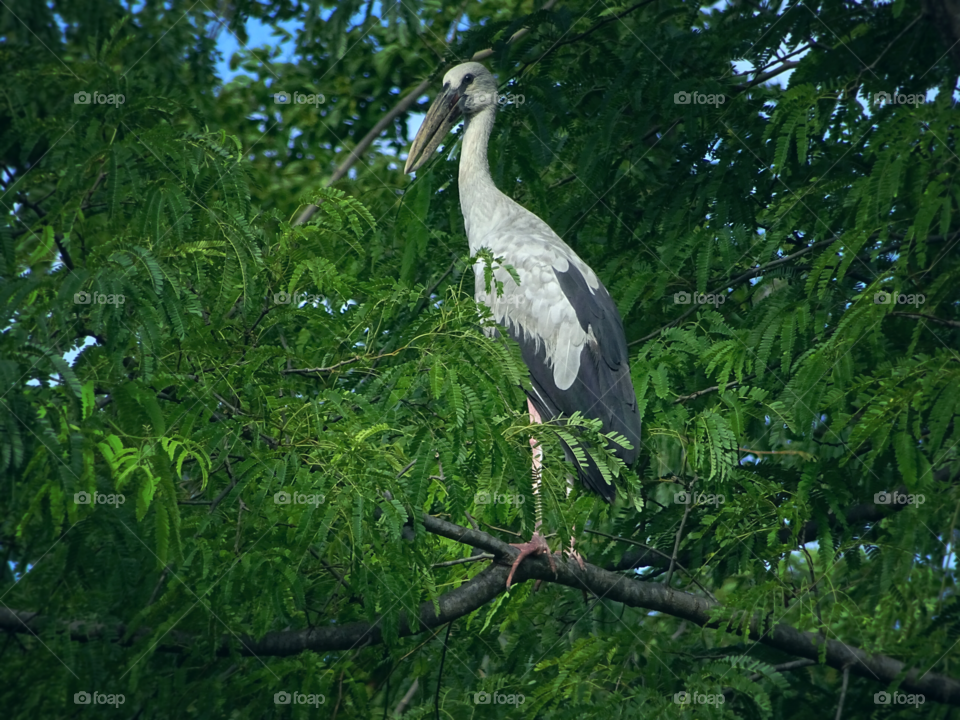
pixel 536 546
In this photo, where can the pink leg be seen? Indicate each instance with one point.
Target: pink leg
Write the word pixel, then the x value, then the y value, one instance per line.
pixel 537 544
pixel 535 446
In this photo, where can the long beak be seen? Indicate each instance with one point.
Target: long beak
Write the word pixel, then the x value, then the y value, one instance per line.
pixel 440 120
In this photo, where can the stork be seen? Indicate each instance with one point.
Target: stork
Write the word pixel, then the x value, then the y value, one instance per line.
pixel 568 328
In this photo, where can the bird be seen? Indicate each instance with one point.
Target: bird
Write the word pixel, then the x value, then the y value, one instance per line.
pixel 568 327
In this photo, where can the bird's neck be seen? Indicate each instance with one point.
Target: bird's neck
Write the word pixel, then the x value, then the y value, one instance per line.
pixel 479 197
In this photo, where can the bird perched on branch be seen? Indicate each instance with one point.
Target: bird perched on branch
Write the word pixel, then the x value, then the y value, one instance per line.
pixel 569 330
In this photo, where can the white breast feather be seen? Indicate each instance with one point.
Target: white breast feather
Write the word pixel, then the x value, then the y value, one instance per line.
pixel 538 306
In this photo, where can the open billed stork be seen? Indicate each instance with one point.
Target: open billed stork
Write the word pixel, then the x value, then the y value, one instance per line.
pixel 569 330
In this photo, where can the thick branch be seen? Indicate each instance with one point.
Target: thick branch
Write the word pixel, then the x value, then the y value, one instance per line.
pixel 490 583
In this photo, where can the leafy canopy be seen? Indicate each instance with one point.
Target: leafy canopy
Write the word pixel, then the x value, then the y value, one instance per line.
pixel 274 420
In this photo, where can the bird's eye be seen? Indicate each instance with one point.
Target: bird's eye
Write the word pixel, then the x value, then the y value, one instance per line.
pixel 468 78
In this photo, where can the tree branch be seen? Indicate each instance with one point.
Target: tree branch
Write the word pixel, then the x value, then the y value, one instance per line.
pixel 399 108
pixel 931 318
pixel 490 583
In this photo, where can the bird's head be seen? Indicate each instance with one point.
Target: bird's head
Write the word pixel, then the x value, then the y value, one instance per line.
pixel 467 89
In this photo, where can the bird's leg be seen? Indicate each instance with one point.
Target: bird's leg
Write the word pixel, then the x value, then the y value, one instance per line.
pixel 537 460
pixel 537 544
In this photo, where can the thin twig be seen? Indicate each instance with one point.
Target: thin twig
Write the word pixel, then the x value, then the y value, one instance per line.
pixel 234 410
pixel 658 552
pixel 676 542
pixel 156 589
pixel 405 700
pixel 772 452
pixel 931 318
pixel 698 393
pixel 233 480
pixel 843 692
pixel 336 708
pixel 813 586
pixel 443 657
pixel 337 366
pixel 783 667
pixel 762 78
pixel 473 523
pixel 586 33
pixel 398 109
pixel 92 190
pixel 748 275
pixel 494 527
pixel 461 561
